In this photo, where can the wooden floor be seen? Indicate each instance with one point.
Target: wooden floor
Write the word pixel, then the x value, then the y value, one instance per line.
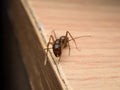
pixel 97 65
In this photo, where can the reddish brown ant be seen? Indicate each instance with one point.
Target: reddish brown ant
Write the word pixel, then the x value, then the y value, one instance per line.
pixel 59 44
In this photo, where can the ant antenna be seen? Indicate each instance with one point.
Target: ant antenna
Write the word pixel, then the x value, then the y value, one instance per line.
pixel 81 37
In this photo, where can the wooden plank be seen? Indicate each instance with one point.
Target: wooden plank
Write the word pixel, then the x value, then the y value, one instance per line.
pixel 97 65
pixel 31 42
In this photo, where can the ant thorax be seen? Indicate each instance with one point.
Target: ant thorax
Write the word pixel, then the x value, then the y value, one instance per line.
pixel 64 41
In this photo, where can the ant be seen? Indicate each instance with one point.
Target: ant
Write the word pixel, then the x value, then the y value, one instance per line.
pixel 58 44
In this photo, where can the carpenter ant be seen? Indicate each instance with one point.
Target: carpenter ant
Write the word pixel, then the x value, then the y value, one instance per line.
pixel 59 44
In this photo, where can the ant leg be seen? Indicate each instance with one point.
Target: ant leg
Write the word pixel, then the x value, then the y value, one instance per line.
pixel 51 38
pixel 54 34
pixel 72 38
pixel 47 48
pixel 47 52
pixel 61 53
pixel 69 47
pixel 59 59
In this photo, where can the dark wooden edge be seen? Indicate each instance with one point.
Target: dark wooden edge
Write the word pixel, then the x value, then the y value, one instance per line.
pixel 31 44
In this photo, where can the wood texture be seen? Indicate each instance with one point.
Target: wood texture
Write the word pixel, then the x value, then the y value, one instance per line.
pixel 97 65
pixel 31 44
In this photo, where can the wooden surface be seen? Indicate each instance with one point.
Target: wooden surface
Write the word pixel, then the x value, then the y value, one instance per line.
pixel 31 43
pixel 97 65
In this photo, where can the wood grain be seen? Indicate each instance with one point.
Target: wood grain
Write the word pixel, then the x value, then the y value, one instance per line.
pixel 31 43
pixel 97 65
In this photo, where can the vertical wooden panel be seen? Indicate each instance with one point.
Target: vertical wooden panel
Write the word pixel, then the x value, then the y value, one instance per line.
pixel 31 44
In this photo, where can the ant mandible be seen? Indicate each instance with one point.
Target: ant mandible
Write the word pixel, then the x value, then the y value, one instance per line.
pixel 58 44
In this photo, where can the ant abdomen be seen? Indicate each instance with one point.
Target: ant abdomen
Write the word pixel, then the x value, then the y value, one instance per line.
pixel 57 48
